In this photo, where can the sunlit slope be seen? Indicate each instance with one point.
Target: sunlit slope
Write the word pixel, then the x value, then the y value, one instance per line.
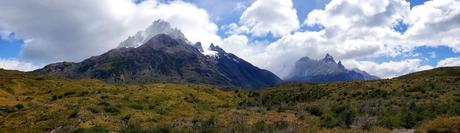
pixel 426 101
pixel 31 103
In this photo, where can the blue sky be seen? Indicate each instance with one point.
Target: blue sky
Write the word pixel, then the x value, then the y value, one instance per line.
pixel 10 46
pixel 270 34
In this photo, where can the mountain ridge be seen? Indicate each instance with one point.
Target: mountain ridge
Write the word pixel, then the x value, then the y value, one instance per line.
pixel 165 59
pixel 324 70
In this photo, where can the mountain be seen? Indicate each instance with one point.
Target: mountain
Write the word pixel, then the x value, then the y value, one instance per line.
pixel 325 70
pixel 164 58
pixel 241 71
pixel 157 27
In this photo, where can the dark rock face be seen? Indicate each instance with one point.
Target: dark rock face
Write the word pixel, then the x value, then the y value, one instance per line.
pixel 241 71
pixel 164 59
pixel 325 70
pixel 199 47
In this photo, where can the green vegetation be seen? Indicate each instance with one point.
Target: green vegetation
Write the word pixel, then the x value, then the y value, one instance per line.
pixel 428 101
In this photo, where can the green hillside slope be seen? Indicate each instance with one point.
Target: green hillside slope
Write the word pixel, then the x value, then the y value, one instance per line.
pixel 426 101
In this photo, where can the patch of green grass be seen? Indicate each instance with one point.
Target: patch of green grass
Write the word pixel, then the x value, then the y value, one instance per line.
pixel 112 110
pixel 92 130
pixel 136 106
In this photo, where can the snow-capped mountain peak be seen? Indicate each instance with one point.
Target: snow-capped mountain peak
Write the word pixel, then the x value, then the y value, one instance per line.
pixel 157 27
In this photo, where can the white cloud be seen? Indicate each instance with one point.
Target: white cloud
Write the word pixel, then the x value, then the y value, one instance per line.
pixel 235 43
pixel 351 29
pixel 365 25
pixel 434 23
pixel 346 14
pixel 74 30
pixel 388 69
pixel 235 29
pixel 277 17
pixel 193 21
pixel 453 61
pixel 240 46
pixel 13 64
pixel 356 29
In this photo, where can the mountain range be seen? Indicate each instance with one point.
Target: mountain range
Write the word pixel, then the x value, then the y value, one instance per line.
pixel 324 70
pixel 165 58
pixel 161 53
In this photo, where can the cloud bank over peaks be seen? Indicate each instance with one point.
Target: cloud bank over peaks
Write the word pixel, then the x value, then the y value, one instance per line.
pixel 352 30
pixel 56 32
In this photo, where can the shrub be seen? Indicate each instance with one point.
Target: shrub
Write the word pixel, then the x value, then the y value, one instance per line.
pixel 390 120
pixel 74 114
pixel 346 117
pixel 191 99
pixel 91 130
pixel 328 119
pixel 70 93
pixel 112 110
pixel 54 98
pixel 136 106
pixel 104 103
pixel 93 109
pixel 260 127
pixel 442 125
pixel 83 93
pixel 281 125
pixel 19 106
pixel 160 110
pixel 314 110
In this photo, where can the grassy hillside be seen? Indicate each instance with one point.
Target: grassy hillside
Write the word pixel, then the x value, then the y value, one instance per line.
pixel 426 101
pixel 453 72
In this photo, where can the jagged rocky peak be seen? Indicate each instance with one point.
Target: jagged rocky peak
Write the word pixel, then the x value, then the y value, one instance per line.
pixel 163 58
pixel 198 46
pixel 216 48
pixel 157 27
pixel 324 70
pixel 340 64
pixel 328 59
